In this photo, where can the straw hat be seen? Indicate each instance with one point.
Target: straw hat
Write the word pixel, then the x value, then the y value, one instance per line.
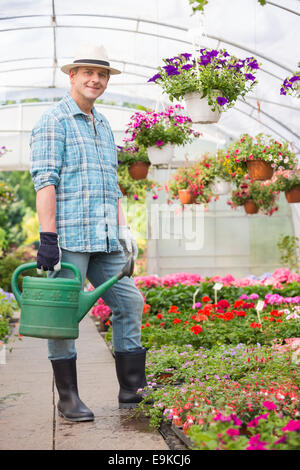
pixel 95 56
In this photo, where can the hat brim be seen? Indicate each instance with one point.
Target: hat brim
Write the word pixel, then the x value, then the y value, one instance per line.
pixel 68 67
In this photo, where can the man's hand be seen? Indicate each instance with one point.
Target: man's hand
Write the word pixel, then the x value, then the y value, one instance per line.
pixel 128 242
pixel 49 253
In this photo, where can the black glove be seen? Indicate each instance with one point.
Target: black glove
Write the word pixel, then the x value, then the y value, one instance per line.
pixel 49 253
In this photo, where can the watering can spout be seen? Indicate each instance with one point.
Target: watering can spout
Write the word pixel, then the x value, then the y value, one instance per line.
pixel 88 299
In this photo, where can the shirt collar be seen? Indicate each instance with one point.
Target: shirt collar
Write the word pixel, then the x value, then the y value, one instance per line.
pixel 74 108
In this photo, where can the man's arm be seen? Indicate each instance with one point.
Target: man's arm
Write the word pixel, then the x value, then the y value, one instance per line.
pixel 121 216
pixel 46 208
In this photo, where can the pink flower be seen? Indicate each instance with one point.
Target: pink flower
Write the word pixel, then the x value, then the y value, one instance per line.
pixel 269 405
pixel 232 432
pixel 159 143
pixel 256 444
pixel 292 425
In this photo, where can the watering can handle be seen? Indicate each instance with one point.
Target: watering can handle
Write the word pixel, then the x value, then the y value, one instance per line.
pixel 26 266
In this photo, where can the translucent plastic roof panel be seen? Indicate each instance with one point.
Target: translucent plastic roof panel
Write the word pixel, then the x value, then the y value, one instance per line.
pixel 38 36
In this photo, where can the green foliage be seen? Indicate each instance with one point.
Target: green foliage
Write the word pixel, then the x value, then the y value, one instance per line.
pixel 150 128
pixel 286 180
pixel 199 5
pixel 262 193
pixel 288 246
pixel 11 261
pixel 11 215
pixel 196 178
pixel 7 307
pixel 261 147
pixel 135 189
pixel 132 154
pixel 215 74
pixel 22 183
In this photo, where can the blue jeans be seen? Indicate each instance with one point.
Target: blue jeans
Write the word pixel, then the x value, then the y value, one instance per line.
pixel 123 298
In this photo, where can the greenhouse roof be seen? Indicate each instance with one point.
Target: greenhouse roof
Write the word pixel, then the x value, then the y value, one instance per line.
pixel 39 36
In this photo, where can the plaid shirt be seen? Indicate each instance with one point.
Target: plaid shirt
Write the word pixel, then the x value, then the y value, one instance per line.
pixel 81 161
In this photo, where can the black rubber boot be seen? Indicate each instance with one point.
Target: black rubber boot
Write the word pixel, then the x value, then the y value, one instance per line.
pixel 69 405
pixel 130 368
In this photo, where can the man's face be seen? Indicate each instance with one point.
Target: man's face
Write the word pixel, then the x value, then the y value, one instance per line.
pixel 89 82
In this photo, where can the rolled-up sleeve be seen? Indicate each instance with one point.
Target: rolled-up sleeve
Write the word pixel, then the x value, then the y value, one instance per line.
pixel 47 142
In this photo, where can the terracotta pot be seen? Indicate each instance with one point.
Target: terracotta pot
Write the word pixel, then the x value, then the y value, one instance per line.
pixel 122 190
pixel 250 207
pixel 139 170
pixel 259 170
pixel 186 196
pixel 293 195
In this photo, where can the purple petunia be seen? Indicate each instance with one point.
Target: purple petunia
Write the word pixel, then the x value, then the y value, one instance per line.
pixel 171 70
pixel 253 65
pixel 154 78
pixel 294 78
pixel 204 60
pixel 221 100
pixel 186 55
pixel 249 76
pixel 187 67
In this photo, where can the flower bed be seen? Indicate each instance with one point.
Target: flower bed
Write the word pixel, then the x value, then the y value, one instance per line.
pixel 223 372
pixel 229 398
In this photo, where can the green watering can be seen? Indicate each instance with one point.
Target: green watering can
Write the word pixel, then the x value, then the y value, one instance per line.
pixel 53 307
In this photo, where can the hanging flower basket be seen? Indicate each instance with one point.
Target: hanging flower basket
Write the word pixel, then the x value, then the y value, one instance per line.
pixel 138 170
pixel 210 70
pixel 160 155
pixel 199 110
pixel 220 188
pixel 186 196
pixel 250 207
pixel 293 195
pixel 259 170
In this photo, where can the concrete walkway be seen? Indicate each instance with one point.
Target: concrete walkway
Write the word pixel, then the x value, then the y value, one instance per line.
pixel 28 416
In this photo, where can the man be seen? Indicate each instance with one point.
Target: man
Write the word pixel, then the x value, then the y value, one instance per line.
pixel 74 170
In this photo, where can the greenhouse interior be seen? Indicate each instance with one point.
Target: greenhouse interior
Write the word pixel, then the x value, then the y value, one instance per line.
pixel 202 98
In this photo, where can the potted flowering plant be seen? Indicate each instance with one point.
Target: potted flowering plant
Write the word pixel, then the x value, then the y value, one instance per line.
pixel 160 132
pixel 209 84
pixel 259 156
pixel 136 159
pixel 255 196
pixel 291 85
pixel 135 189
pixel 222 179
pixel 191 184
pixel 289 182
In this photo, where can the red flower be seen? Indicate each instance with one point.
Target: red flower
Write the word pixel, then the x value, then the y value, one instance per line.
pixel 240 313
pixel 146 308
pixel 196 329
pixel 238 303
pixel 147 324
pixel 255 325
pixel 173 309
pixel 176 320
pixel 159 316
pixel 206 299
pixel 223 303
pixel 201 317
